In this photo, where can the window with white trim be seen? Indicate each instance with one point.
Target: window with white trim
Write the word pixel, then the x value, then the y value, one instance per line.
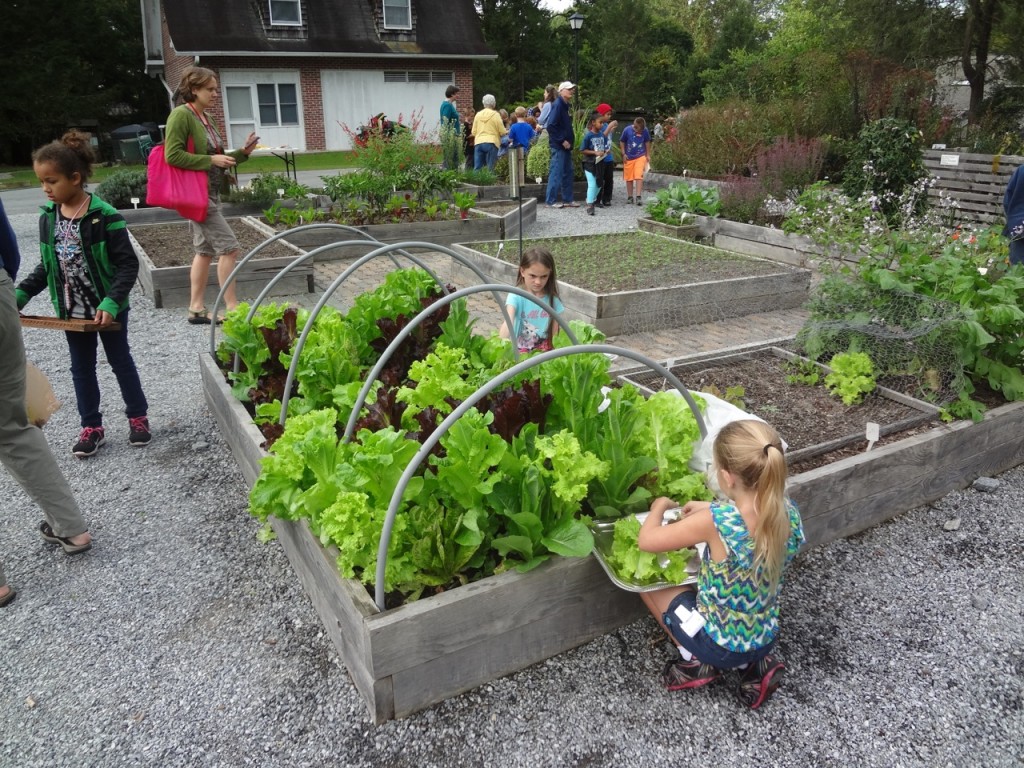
pixel 278 103
pixel 397 14
pixel 285 12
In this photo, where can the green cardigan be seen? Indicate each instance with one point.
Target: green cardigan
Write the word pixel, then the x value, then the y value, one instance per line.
pixel 182 123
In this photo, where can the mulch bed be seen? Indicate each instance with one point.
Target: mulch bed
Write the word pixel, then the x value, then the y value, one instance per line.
pixel 803 415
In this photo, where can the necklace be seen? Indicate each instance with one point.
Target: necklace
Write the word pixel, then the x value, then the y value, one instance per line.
pixel 73 216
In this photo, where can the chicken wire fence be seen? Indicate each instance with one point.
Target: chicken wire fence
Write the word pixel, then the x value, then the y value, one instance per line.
pixel 912 340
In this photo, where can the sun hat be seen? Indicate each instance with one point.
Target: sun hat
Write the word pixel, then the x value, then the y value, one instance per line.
pixel 603 109
pixel 566 86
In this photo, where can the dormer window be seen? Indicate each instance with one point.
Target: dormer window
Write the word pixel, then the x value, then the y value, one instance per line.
pixel 285 13
pixel 397 14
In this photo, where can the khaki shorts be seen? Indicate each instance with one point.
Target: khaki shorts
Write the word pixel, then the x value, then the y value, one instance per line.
pixel 214 237
pixel 633 170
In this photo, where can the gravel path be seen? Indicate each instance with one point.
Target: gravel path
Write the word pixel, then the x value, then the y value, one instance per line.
pixel 180 640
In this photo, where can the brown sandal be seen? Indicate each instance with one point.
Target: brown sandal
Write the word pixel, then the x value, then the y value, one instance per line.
pixel 199 317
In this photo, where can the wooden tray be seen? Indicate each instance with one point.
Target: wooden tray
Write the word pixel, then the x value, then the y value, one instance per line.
pixel 72 324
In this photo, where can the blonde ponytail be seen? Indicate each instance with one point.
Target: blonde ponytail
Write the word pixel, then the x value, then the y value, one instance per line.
pixel 752 451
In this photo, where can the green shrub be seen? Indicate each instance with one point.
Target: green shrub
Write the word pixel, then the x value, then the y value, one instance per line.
pixel 887 157
pixel 721 139
pixel 120 187
pixel 742 198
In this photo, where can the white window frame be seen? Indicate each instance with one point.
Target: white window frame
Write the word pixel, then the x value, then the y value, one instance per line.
pixel 278 121
pixel 390 24
pixel 288 23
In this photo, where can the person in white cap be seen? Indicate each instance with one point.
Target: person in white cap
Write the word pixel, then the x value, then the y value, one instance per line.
pixel 561 140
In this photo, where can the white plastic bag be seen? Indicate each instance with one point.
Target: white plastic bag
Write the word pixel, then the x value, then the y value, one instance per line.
pixel 717 414
pixel 40 402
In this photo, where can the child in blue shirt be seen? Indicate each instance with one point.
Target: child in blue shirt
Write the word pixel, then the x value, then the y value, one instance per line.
pixel 521 134
pixel 531 323
pixel 594 149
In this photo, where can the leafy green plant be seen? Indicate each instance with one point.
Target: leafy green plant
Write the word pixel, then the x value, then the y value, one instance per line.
pixel 464 201
pixel 803 371
pixel 852 376
pixel 679 201
pixel 120 187
pixel 887 157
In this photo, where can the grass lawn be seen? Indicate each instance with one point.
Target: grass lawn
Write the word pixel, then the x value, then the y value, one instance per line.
pixel 21 177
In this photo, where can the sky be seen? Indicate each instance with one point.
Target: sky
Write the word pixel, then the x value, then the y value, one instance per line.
pixel 556 5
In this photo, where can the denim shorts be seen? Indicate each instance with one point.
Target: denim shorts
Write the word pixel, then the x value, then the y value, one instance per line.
pixel 701 645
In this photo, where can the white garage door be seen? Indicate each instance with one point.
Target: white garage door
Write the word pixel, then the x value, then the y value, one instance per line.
pixel 353 97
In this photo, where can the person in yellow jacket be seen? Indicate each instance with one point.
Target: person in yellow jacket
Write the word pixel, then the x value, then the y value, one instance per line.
pixel 488 128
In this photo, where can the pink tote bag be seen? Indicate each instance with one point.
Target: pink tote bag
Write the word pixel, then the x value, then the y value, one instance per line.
pixel 186 192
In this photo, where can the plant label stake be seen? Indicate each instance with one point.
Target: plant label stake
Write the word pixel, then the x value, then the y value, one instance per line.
pixel 135 202
pixel 871 433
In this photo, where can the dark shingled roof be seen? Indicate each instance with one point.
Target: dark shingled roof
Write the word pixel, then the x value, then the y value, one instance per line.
pixel 229 27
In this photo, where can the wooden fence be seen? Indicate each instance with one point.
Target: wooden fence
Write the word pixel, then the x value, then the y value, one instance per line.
pixel 976 182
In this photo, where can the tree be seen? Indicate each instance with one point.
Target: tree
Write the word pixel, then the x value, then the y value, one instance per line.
pixel 520 33
pixel 981 16
pixel 83 61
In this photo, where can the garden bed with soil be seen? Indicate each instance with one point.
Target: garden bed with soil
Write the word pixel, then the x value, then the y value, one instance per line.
pixel 490 220
pixel 165 259
pixel 634 282
pixel 817 426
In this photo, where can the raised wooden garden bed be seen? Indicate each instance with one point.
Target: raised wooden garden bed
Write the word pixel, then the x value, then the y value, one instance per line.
pixel 614 313
pixel 531 191
pixel 405 659
pixel 484 225
pixel 169 286
pixel 681 232
pixel 748 239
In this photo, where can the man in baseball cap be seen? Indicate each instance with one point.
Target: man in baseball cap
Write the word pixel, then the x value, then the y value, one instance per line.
pixel 561 140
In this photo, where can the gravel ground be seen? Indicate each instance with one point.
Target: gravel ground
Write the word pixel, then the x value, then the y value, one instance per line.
pixel 180 640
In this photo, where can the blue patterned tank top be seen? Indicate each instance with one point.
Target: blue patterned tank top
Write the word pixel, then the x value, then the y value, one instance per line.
pixel 740 608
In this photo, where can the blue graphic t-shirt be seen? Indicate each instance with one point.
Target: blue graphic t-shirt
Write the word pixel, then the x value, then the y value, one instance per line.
pixel 531 325
pixel 635 142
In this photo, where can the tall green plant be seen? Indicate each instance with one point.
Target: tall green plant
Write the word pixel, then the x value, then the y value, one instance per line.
pixel 886 159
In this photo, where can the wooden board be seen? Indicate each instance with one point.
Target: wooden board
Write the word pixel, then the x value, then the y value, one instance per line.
pixel 71 324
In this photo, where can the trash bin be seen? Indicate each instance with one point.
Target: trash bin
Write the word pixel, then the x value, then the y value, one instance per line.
pixel 131 152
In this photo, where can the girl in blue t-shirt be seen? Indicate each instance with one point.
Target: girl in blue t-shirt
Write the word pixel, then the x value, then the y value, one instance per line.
pixel 730 618
pixel 594 148
pixel 531 324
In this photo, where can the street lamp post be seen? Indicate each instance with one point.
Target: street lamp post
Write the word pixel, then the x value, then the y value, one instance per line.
pixel 576 24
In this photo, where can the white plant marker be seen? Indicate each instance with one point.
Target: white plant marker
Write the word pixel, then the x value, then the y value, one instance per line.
pixel 871 433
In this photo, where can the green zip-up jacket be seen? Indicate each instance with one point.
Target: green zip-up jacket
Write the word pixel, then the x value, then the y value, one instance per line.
pixel 110 259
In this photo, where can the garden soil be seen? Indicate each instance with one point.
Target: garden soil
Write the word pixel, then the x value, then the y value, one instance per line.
pixel 170 245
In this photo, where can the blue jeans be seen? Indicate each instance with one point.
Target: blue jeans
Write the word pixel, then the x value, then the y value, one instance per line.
pixel 701 645
pixel 1017 251
pixel 559 176
pixel 485 154
pixel 82 347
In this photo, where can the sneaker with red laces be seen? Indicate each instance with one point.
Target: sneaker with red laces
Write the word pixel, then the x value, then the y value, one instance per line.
pixel 679 675
pixel 89 441
pixel 138 431
pixel 760 680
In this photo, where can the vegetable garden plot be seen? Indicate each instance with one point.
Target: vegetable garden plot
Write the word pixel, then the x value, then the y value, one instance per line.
pixel 637 282
pixel 809 419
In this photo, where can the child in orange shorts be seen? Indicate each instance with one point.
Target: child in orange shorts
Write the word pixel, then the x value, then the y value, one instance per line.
pixel 636 154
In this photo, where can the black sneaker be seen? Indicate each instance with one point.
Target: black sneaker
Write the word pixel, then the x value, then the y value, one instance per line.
pixel 759 681
pixel 639 201
pixel 679 675
pixel 590 210
pixel 629 201
pixel 89 441
pixel 138 431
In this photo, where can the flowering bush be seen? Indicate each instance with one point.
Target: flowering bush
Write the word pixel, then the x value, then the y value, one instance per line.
pixel 887 157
